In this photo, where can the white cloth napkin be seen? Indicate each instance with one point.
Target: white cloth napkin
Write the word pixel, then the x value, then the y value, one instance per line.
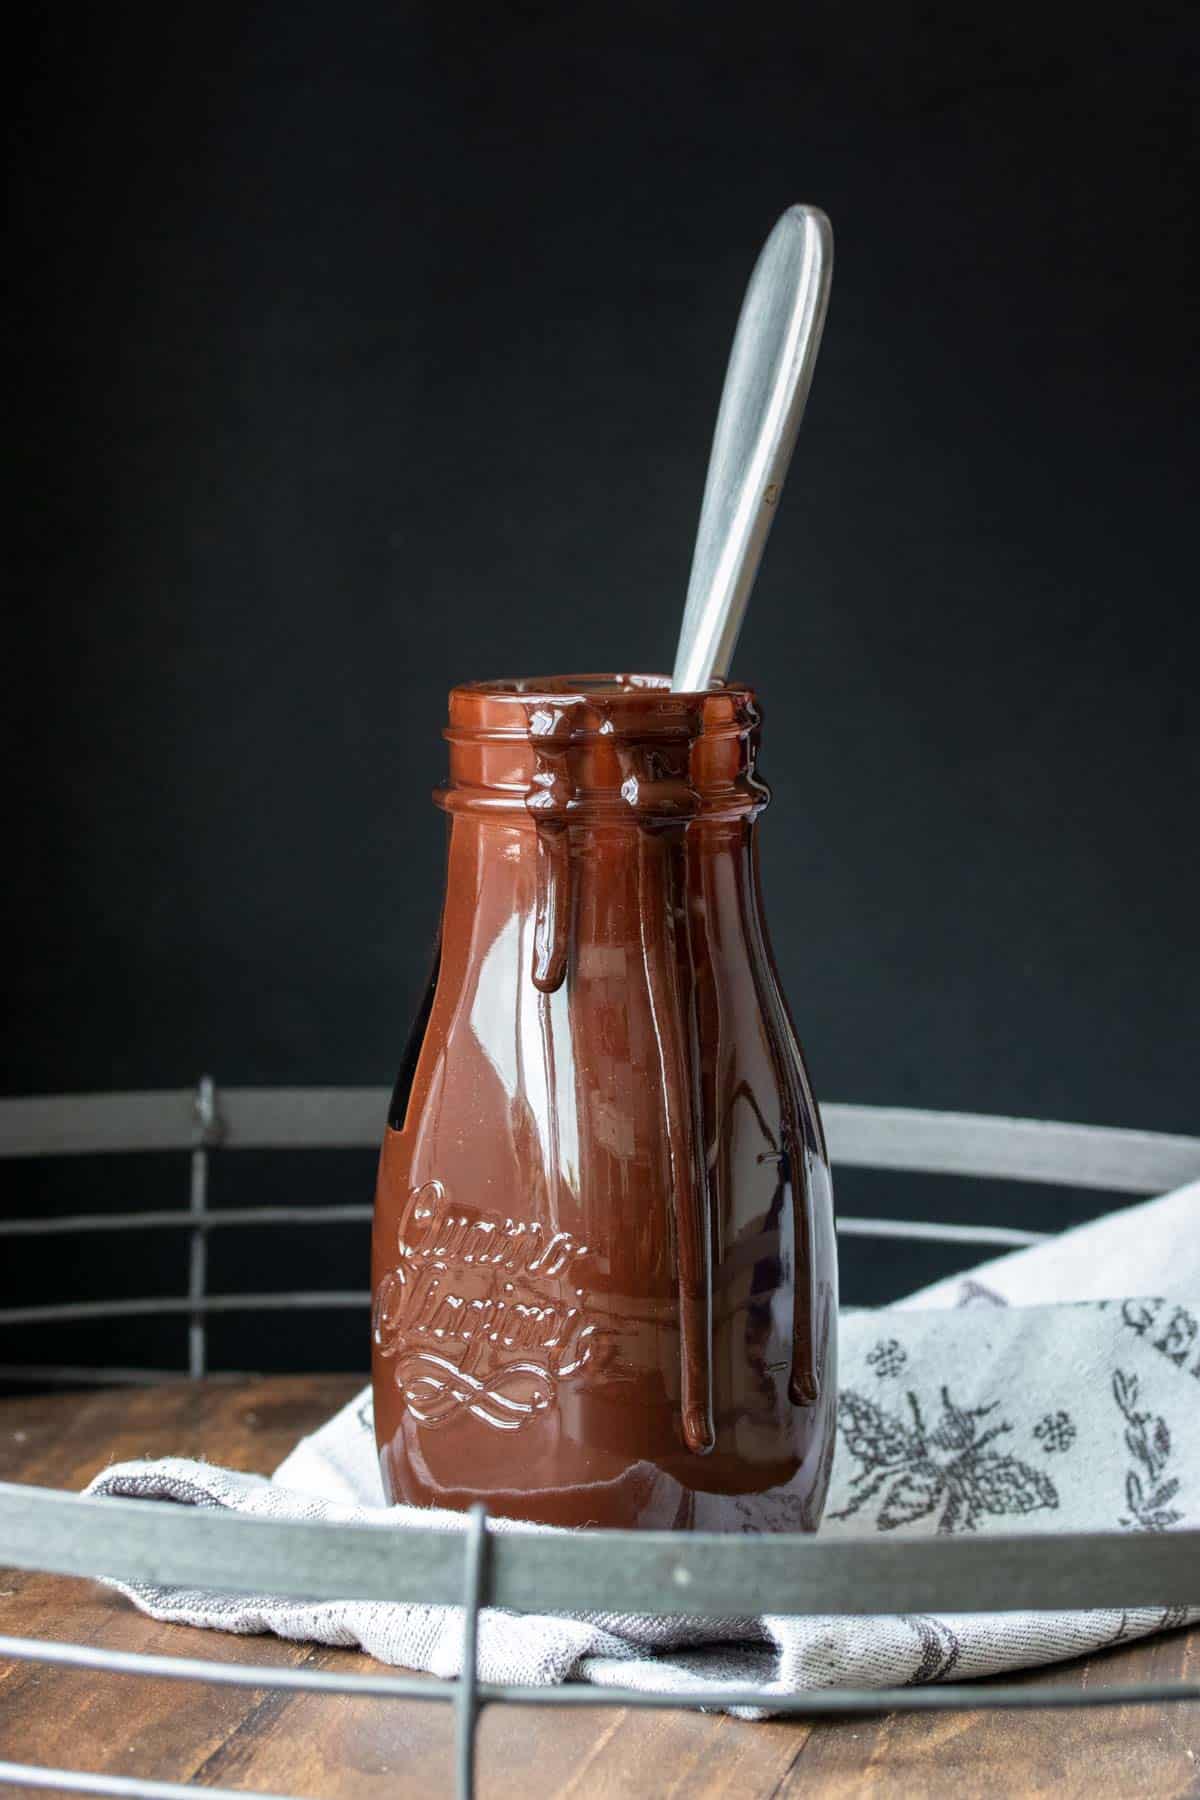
pixel 963 1409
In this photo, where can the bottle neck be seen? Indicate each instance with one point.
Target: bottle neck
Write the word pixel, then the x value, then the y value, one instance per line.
pixel 649 757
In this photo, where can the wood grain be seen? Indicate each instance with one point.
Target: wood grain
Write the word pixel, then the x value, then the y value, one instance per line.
pixel 339 1748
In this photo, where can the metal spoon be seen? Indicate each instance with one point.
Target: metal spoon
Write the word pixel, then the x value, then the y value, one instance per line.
pixel 766 385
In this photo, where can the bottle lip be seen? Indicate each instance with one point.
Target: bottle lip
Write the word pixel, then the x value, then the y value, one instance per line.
pixel 575 708
pixel 614 686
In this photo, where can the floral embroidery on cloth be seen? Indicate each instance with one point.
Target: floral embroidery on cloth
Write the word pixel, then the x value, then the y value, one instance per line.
pixel 915 1470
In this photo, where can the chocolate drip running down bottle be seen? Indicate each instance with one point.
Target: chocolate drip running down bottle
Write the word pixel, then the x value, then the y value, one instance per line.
pixel 604 1271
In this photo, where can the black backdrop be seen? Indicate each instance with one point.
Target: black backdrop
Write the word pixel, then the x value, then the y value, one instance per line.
pixel 360 350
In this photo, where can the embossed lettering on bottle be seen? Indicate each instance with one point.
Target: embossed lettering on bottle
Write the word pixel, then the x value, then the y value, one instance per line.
pixel 483 1314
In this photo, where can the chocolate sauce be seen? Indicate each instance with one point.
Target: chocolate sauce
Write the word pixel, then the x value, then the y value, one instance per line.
pixel 548 799
pixel 604 1267
pixel 656 789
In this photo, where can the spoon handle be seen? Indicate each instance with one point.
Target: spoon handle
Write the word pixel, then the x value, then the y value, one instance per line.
pixel 766 385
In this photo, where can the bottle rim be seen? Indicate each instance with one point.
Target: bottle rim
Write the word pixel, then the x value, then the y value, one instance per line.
pixel 577 708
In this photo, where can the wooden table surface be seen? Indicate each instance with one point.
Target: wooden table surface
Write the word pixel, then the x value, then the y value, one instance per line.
pixel 338 1746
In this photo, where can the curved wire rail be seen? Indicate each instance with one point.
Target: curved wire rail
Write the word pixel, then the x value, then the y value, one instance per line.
pixel 872 1137
pixel 203 1120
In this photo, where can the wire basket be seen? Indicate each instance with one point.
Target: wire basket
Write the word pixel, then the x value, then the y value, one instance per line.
pixel 646 1572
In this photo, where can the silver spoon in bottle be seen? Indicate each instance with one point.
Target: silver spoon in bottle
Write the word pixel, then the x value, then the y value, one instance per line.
pixel 766 385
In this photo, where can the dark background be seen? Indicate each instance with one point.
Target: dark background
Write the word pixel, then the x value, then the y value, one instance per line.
pixel 361 350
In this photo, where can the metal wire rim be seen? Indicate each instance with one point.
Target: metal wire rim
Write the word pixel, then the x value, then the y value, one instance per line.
pixel 705 1574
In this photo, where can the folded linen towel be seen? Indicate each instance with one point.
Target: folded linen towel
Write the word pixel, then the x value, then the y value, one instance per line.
pixel 962 1409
